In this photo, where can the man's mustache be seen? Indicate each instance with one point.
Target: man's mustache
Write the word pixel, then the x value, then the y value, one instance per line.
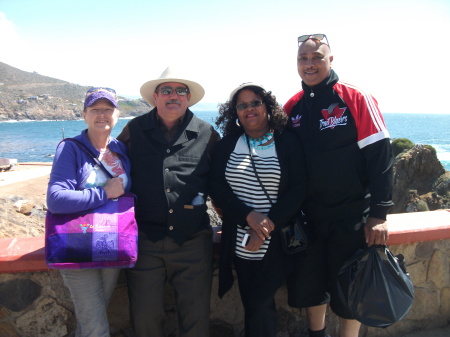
pixel 174 101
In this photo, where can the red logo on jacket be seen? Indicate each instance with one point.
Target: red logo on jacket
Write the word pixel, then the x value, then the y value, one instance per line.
pixel 333 116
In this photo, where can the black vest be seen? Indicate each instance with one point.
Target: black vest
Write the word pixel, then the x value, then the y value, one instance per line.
pixel 167 176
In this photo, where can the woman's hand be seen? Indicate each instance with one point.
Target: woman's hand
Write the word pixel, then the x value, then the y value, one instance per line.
pixel 114 188
pixel 255 242
pixel 261 224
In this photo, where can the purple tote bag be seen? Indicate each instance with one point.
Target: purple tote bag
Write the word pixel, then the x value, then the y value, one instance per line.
pixel 103 237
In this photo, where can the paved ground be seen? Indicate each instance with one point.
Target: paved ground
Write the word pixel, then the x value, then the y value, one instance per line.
pixel 24 172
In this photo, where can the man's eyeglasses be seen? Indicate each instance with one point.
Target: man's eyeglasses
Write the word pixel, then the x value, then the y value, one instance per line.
pixel 242 106
pixel 181 91
pixel 318 37
pixel 95 89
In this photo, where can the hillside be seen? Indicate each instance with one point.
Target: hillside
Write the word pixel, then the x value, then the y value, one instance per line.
pixel 31 96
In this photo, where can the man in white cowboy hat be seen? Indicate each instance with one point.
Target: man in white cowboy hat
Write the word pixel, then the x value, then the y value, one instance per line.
pixel 169 149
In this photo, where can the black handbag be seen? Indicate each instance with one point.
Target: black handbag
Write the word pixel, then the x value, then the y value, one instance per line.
pixel 297 235
pixel 375 287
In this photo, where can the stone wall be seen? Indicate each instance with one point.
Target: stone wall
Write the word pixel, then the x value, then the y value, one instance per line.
pixel 34 304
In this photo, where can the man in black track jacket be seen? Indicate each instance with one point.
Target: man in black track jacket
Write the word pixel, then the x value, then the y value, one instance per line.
pixel 349 162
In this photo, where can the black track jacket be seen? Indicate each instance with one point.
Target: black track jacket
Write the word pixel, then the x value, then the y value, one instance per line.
pixel 347 147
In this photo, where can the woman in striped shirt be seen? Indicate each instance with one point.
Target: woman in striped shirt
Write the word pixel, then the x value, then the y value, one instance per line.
pixel 257 181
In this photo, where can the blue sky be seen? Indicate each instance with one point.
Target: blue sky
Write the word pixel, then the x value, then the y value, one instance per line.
pixel 396 50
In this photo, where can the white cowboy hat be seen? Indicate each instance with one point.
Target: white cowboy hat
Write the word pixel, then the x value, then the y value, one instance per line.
pixel 169 75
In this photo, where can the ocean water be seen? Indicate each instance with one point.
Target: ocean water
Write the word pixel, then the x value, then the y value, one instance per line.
pixel 37 140
pixel 427 129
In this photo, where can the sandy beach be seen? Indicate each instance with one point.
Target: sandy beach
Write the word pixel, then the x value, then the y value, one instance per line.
pixel 24 171
pixel 26 181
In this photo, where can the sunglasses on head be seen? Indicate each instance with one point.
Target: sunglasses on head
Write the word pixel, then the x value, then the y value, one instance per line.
pixel 242 106
pixel 181 91
pixel 95 89
pixel 317 37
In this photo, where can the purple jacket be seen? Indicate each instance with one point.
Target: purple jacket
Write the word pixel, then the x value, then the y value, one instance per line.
pixel 71 167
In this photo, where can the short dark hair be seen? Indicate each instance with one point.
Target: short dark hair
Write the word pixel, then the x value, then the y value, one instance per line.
pixel 226 121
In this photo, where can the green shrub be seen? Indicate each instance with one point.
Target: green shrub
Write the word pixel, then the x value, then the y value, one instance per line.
pixel 432 149
pixel 422 206
pixel 401 144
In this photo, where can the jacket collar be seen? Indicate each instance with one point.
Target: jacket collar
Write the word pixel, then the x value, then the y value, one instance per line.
pixel 329 81
pixel 190 123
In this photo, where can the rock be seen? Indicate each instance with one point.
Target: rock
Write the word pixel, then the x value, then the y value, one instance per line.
pixel 48 319
pixel 437 271
pixel 424 250
pixel 435 201
pixel 5 164
pixel 445 302
pixel 7 330
pixel 425 303
pixel 23 206
pixel 418 273
pixel 442 184
pixel 418 170
pixel 18 294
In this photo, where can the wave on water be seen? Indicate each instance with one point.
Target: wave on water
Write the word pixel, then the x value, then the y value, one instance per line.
pixel 444 157
pixel 16 121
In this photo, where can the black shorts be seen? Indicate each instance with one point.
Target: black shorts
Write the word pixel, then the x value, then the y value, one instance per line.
pixel 313 281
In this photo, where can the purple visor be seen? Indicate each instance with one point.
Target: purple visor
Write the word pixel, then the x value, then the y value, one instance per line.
pixel 101 94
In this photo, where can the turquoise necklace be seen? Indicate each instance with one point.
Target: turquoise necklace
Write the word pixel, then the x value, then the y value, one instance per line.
pixel 259 141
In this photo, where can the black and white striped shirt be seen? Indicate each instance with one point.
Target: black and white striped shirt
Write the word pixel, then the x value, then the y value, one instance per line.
pixel 240 175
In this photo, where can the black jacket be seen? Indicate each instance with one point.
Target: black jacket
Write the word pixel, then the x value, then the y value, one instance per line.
pixel 347 149
pixel 291 193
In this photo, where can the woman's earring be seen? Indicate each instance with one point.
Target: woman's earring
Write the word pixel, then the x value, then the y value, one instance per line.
pixel 237 122
pixel 268 117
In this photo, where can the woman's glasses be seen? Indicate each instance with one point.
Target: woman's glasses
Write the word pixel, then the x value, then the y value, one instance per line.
pixel 318 37
pixel 95 89
pixel 242 106
pixel 181 91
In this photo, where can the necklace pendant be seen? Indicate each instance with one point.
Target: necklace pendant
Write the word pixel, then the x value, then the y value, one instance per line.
pixel 311 94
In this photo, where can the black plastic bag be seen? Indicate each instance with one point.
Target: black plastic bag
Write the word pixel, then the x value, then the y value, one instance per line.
pixel 375 286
